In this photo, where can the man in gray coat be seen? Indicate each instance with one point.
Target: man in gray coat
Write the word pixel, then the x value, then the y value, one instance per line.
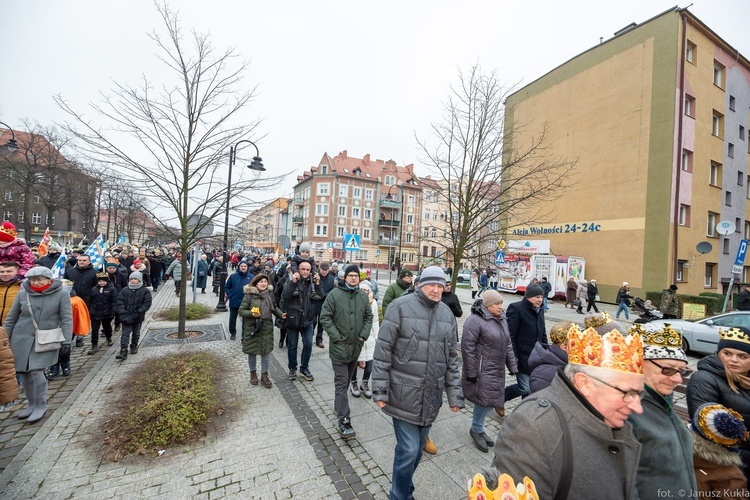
pixel 572 438
pixel 416 358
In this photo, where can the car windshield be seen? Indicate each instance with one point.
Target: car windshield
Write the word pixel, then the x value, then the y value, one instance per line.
pixel 733 320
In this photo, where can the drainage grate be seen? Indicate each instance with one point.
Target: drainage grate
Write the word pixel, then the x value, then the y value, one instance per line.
pixel 160 336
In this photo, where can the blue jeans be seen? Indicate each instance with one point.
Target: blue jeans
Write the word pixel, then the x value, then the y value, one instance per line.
pixel 544 302
pixel 477 421
pixel 410 440
pixel 252 362
pixel 520 388
pixel 622 307
pixel 292 339
pixel 156 280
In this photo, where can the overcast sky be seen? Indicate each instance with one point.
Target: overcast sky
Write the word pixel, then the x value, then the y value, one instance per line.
pixel 331 75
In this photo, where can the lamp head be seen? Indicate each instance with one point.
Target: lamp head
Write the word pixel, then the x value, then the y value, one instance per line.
pixel 388 197
pixel 11 146
pixel 257 164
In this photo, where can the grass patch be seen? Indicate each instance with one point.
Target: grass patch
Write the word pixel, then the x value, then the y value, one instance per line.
pixel 167 402
pixel 192 311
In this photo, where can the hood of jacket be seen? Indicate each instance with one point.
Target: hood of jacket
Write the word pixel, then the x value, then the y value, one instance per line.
pixel 253 290
pixel 547 354
pixel 714 452
pixel 56 285
pixel 479 308
pixel 713 364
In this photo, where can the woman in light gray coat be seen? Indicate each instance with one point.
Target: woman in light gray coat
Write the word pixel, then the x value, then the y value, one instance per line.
pixel 486 349
pixel 175 271
pixel 50 304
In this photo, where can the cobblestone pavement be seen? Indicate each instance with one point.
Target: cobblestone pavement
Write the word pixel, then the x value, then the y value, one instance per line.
pixel 277 443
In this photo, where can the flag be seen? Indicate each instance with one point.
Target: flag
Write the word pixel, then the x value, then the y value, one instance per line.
pixel 44 244
pixel 59 268
pixel 96 252
pixel 59 234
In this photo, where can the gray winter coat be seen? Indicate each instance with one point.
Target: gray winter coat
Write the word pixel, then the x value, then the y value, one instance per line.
pixel 605 460
pixel 51 310
pixel 416 358
pixel 486 349
pixel 175 270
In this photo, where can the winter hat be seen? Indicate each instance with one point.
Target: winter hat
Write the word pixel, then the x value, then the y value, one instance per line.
pixel 136 275
pixel 558 334
pixel 733 338
pixel 136 263
pixel 533 290
pixel 491 297
pixel 351 268
pixel 112 263
pixel 719 424
pixel 257 279
pixel 8 232
pixel 404 273
pixel 55 249
pixel 365 285
pixel 368 273
pixel 673 287
pixel 324 266
pixel 432 274
pixel 39 271
pixel 305 247
pixel 625 283
pixel 362 275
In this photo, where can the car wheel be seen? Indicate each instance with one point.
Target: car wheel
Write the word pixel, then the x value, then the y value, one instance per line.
pixel 685 345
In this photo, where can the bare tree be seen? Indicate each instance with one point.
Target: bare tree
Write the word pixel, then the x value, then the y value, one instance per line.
pixel 182 130
pixel 485 178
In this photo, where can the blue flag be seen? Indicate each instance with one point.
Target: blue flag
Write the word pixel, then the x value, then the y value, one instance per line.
pixel 59 268
pixel 96 252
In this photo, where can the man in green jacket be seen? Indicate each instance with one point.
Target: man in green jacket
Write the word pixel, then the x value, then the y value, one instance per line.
pixel 397 289
pixel 347 319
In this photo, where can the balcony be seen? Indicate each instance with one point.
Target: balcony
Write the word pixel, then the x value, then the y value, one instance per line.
pixel 389 203
pixel 388 242
pixel 389 222
pixel 296 237
pixel 298 201
pixel 297 219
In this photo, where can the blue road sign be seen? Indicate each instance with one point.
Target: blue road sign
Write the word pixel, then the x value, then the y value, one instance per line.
pixel 499 258
pixel 329 244
pixel 741 252
pixel 351 242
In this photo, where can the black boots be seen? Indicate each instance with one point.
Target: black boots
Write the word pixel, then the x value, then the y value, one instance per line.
pixel 345 428
pixel 123 354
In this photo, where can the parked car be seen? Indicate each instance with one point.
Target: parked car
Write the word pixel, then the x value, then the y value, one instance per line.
pixel 464 276
pixel 703 335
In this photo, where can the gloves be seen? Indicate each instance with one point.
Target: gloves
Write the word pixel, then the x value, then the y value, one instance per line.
pixel 64 350
pixel 473 380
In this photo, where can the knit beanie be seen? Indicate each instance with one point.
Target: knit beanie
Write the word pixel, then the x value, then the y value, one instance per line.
pixel 136 275
pixel 491 297
pixel 351 268
pixel 432 274
pixel 533 290
pixel 304 247
pixel 39 271
pixel 733 338
pixel 404 273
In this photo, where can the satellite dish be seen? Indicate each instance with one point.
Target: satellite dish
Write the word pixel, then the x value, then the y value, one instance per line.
pixel 725 227
pixel 206 231
pixel 704 247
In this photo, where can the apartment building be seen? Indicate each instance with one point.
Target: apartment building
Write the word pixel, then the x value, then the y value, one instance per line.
pixel 657 118
pixel 265 229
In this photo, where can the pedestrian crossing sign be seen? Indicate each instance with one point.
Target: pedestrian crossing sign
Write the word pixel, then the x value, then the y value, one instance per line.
pixel 351 242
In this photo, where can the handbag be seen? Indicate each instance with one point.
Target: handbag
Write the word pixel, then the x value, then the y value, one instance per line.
pixel 46 340
pixel 577 303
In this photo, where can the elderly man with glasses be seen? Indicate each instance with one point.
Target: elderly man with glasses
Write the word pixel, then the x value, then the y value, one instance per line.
pixel 572 438
pixel 666 465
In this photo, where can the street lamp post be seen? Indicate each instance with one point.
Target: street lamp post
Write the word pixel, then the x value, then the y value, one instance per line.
pixel 11 145
pixel 256 165
pixel 389 197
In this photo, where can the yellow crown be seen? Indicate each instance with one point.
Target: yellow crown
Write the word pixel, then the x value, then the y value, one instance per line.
pixel 594 321
pixel 734 334
pixel 506 489
pixel 611 350
pixel 665 337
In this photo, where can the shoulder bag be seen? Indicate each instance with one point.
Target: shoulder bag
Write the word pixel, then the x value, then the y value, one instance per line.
pixel 45 340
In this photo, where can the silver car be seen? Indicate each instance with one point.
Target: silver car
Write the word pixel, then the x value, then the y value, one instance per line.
pixel 703 335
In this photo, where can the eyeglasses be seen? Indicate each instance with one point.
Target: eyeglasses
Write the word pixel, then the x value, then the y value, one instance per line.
pixel 668 372
pixel 38 278
pixel 627 396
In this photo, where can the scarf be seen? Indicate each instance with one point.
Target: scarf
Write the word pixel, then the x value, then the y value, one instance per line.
pixel 136 286
pixel 266 305
pixel 40 289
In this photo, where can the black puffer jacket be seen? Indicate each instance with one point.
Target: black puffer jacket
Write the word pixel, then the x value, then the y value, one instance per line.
pixel 83 281
pixel 133 304
pixel 103 302
pixel 486 349
pixel 709 385
pixel 299 308
pixel 526 328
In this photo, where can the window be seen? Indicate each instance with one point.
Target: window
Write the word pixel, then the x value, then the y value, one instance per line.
pixel 21 217
pixel 730 150
pixel 355 230
pixel 747 230
pixel 8 195
pixel 356 213
pixel 691 52
pixel 737 225
pixel 340 231
pixel 368 214
pixel 435 198
pixel 411 200
pixel 342 210
pixel 725 246
pixel 728 198
pixel 369 194
pixel 427 196
pixel 389 180
pixel 714 174
pixel 690 106
pixel 356 192
pixel 408 237
pixel 426 215
pixel 324 189
pixel 713 219
pixel 362 255
pixel 36 218
pixel 718 74
pixel 433 252
pixel 426 233
pixel 321 209
pixel 343 191
pixel 7 215
pixel 434 233
pixel 424 251
pixel 742 133
pixel 47 220
pixel 717 124
pixel 366 233
pixel 709 278
pixel 731 102
pixel 434 215
pixel 740 178
pixel 410 219
pixel 687 160
pixel 321 230
pixel 748 188
pixel 324 169
pixel 681 264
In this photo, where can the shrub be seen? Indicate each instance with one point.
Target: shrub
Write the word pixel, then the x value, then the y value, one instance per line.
pixel 192 311
pixel 713 304
pixel 167 402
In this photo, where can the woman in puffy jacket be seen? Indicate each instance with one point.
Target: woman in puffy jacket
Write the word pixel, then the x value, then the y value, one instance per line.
pixel 368 349
pixel 724 378
pixel 486 349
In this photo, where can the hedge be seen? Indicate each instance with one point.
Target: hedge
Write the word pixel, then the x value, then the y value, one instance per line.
pixel 712 301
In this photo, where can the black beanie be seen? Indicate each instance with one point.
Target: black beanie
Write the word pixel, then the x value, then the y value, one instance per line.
pixel 351 268
pixel 533 290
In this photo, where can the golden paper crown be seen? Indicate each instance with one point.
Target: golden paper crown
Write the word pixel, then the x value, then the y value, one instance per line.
pixel 734 334
pixel 594 321
pixel 665 337
pixel 506 489
pixel 611 350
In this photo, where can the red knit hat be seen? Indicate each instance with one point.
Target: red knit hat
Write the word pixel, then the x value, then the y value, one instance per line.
pixel 8 232
pixel 136 263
